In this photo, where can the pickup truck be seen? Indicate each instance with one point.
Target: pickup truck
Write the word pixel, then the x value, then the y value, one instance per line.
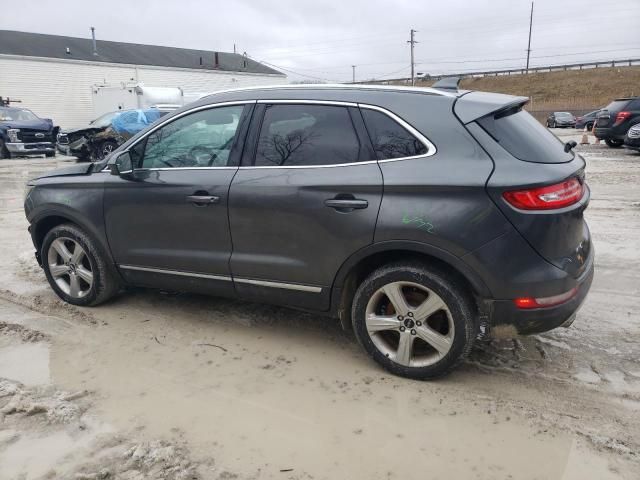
pixel 23 133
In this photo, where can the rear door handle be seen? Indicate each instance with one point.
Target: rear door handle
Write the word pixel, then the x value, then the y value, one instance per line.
pixel 346 204
pixel 202 200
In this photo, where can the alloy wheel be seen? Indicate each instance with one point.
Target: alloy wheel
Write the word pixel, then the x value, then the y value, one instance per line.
pixel 107 148
pixel 70 267
pixel 409 324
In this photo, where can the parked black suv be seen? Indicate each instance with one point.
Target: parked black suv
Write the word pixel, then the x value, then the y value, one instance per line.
pixel 614 120
pixel 421 217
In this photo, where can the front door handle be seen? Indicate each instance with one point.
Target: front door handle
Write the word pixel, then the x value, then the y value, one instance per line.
pixel 202 200
pixel 346 204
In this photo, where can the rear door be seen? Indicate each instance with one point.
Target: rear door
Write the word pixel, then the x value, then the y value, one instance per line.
pixel 167 225
pixel 304 200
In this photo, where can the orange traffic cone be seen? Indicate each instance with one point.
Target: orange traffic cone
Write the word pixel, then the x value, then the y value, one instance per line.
pixel 585 136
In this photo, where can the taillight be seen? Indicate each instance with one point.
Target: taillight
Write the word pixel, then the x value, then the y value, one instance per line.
pixel 558 195
pixel 622 116
pixel 542 302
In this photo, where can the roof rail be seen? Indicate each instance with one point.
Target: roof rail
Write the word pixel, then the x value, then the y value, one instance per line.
pixel 329 86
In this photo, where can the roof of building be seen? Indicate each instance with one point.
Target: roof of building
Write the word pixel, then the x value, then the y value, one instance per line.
pixel 55 46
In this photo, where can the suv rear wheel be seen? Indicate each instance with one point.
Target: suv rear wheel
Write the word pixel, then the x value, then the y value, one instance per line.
pixel 413 320
pixel 75 268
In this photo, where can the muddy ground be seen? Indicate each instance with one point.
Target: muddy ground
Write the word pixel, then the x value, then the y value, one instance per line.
pixel 158 385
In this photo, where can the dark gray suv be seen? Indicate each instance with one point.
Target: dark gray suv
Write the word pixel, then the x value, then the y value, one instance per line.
pixel 422 218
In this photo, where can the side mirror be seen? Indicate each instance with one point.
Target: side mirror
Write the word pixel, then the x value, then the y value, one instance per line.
pixel 121 165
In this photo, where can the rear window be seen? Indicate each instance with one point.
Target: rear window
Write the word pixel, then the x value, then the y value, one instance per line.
pixel 525 138
pixel 616 105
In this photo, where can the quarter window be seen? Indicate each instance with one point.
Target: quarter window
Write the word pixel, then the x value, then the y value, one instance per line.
pixel 389 138
pixel 306 135
pixel 200 139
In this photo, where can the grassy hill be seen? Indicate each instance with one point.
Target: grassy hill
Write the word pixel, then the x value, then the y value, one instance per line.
pixel 571 89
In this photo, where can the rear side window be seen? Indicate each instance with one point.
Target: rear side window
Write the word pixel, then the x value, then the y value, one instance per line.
pixel 525 138
pixel 389 138
pixel 634 105
pixel 306 135
pixel 616 105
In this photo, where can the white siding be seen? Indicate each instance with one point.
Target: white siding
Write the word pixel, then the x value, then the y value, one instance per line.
pixel 61 90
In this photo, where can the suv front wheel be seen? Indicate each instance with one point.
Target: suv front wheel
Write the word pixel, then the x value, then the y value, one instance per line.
pixel 413 320
pixel 75 268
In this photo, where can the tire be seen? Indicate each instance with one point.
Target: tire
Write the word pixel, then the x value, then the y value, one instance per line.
pixel 554 125
pixel 104 149
pixel 613 143
pixel 62 262
pixel 589 126
pixel 50 155
pixel 4 152
pixel 453 326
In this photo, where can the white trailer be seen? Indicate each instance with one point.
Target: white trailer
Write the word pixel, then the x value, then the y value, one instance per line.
pixel 108 98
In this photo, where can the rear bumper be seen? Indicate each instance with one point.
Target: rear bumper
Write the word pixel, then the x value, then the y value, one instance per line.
pixel 505 313
pixel 31 148
pixel 613 133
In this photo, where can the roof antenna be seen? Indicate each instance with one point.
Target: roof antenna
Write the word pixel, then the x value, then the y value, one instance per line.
pixel 447 83
pixel 93 37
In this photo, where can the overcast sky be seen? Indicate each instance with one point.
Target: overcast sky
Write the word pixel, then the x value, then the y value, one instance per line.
pixel 321 39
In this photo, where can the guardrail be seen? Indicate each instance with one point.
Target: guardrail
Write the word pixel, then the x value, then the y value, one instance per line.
pixel 516 71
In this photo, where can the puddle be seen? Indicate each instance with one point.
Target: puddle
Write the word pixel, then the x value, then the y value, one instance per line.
pixel 27 363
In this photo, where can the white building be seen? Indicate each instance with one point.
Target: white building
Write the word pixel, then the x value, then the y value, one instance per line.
pixel 57 76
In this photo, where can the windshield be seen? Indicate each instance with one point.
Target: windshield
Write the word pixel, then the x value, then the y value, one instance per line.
pixel 563 114
pixel 104 120
pixel 21 114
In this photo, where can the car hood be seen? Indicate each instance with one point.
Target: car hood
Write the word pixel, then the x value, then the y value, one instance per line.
pixel 83 130
pixel 39 124
pixel 77 169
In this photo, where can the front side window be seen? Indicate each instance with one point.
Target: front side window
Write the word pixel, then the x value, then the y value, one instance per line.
pixel 307 135
pixel 389 138
pixel 200 139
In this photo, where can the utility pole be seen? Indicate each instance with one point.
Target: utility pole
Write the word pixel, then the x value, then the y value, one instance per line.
pixel 412 42
pixel 353 77
pixel 529 45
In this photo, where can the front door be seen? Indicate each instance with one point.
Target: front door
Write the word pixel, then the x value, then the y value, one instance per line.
pixel 308 200
pixel 167 226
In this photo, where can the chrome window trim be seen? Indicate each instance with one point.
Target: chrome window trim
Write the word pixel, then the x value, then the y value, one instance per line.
pixel 332 165
pixel 183 168
pixel 431 148
pixel 176 272
pixel 312 102
pixel 288 286
pixel 249 281
pixel 180 115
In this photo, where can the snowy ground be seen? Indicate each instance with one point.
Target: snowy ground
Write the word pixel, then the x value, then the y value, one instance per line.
pixel 153 385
